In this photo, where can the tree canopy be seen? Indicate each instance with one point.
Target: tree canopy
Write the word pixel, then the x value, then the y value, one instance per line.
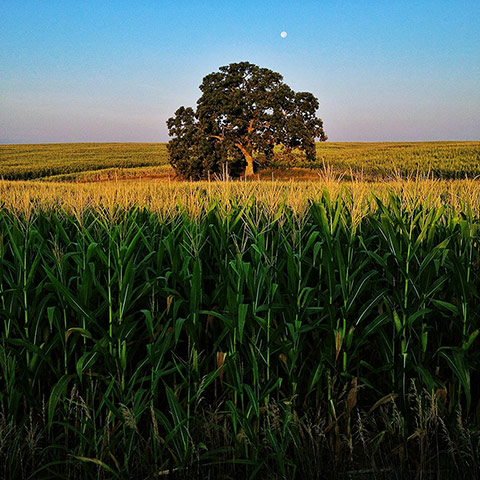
pixel 243 113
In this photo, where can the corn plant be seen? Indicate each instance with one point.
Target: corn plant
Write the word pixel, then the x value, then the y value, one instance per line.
pixel 137 344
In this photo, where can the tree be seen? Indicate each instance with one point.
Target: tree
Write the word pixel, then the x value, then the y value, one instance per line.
pixel 243 113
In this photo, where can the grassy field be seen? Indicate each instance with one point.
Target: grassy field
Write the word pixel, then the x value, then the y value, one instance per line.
pixel 439 159
pixel 92 162
pixel 45 160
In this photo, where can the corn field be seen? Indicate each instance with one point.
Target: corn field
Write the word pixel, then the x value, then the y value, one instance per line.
pixel 332 337
pixel 372 161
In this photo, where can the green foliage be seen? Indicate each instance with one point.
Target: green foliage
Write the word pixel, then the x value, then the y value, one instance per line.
pixel 193 154
pixel 244 112
pixel 235 343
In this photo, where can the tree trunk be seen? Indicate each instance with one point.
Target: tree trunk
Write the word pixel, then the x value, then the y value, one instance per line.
pixel 248 159
pixel 249 169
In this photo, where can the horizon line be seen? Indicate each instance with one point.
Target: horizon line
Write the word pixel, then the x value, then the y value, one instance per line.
pixel 83 142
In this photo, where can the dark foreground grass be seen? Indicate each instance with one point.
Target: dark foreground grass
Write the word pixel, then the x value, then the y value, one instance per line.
pixel 246 345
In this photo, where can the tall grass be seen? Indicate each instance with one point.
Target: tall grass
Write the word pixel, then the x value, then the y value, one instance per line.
pixel 169 199
pixel 232 339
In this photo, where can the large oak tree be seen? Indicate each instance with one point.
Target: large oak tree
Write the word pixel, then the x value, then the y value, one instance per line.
pixel 243 113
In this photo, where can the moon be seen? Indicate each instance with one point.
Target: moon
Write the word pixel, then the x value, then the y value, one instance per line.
pixel 283 34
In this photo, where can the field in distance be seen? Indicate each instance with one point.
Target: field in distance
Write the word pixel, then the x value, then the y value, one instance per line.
pixel 105 161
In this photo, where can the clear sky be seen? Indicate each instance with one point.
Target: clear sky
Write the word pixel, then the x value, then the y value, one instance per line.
pixel 99 71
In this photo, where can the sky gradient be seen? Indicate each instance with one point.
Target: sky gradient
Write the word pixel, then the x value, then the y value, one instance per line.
pixel 77 71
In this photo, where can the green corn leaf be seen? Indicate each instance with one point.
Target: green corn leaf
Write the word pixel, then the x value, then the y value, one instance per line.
pixel 254 402
pixel 471 339
pixel 442 305
pixel 242 316
pixel 85 362
pixel 58 391
pixel 71 299
pixel 456 361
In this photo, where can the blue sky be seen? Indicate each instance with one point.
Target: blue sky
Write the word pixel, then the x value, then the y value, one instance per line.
pixel 116 70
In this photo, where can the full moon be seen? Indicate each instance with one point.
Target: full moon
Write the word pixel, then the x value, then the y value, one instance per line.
pixel 283 34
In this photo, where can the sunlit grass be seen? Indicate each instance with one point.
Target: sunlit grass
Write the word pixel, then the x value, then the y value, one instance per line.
pixel 85 162
pixel 44 160
pixel 168 198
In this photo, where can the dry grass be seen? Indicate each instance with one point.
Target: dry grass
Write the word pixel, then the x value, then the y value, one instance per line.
pixel 167 198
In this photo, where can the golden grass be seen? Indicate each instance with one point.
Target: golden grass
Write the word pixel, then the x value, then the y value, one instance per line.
pixel 168 198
